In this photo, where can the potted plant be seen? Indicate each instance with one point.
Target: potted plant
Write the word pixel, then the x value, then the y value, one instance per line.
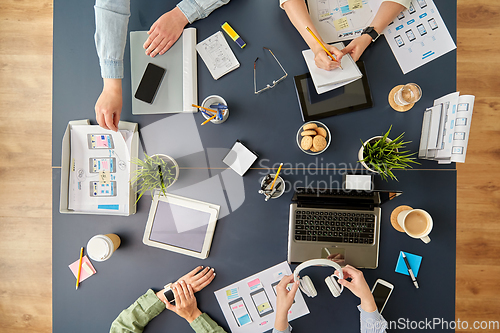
pixel 381 154
pixel 155 172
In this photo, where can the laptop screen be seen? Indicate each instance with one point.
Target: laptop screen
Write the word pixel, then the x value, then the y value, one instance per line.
pixel 339 198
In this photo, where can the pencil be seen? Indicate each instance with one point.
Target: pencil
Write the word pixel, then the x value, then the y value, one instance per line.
pixel 79 268
pixel 201 107
pixel 206 121
pixel 323 46
pixel 276 177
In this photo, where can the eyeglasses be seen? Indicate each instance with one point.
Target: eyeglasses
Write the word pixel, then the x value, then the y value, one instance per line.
pixel 275 82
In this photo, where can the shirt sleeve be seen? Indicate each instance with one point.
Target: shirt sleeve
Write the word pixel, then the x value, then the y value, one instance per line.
pixel 289 328
pixel 111 22
pixel 198 9
pixel 138 315
pixel 204 324
pixel 371 322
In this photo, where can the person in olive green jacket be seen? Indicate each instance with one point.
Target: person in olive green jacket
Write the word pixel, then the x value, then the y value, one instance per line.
pixel 138 315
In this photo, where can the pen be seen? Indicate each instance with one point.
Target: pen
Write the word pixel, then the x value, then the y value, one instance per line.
pixel 204 108
pixel 79 268
pixel 413 278
pixel 324 48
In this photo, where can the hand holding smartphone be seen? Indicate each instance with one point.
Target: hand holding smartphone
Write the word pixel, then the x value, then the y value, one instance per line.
pixel 381 292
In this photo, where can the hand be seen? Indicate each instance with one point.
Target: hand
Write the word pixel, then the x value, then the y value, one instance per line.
pixel 323 60
pixel 199 279
pixel 357 46
pixel 284 301
pixel 185 302
pixel 165 32
pixel 358 287
pixel 109 105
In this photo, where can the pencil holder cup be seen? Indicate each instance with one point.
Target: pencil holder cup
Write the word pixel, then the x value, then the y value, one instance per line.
pixel 214 100
pixel 279 185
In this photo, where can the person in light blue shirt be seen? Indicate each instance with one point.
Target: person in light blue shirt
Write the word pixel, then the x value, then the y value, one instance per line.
pixel 111 21
pixel 371 320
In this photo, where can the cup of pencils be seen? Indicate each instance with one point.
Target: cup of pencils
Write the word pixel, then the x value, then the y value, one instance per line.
pixel 272 185
pixel 214 108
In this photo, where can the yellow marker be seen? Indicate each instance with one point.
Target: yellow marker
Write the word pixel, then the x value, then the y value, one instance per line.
pixel 230 31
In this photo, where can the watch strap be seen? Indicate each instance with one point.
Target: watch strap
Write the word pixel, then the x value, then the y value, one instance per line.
pixel 371 32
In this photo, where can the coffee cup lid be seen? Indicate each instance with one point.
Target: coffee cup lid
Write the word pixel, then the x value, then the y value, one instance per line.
pixel 98 248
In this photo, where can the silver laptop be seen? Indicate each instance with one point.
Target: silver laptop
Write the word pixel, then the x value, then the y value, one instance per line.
pixel 343 225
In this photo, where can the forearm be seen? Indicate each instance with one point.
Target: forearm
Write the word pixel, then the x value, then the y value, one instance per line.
pixel 281 321
pixel 111 20
pixel 372 322
pixel 204 324
pixel 198 9
pixel 299 16
pixel 387 12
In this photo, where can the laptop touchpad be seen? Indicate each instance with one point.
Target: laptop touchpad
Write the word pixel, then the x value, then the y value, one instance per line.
pixel 334 253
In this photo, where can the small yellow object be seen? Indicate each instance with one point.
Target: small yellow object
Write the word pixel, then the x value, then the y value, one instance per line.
pixel 230 31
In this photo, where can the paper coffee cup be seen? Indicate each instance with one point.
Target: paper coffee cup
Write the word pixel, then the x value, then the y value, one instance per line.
pixel 101 247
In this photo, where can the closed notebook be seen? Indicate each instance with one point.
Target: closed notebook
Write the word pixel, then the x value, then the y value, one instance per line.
pixel 217 55
pixel 179 88
pixel 328 80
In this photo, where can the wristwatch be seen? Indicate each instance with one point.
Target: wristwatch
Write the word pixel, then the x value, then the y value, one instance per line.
pixel 169 294
pixel 372 32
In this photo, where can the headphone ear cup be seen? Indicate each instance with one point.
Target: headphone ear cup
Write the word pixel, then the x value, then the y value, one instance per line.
pixel 307 287
pixel 334 286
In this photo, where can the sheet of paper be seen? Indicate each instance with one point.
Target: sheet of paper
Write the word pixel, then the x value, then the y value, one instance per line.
pixel 217 55
pixel 87 268
pixel 462 128
pixel 418 35
pixel 328 80
pixel 100 169
pixel 451 114
pixel 242 310
pixel 338 20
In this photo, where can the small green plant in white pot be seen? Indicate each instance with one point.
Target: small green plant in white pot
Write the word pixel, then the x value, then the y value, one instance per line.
pixel 381 154
pixel 155 172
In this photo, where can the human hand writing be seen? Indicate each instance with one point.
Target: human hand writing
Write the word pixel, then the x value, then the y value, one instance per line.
pixel 323 60
pixel 165 32
pixel 108 107
pixel 199 278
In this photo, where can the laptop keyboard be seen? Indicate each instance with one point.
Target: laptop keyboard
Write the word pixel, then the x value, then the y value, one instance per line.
pixel 337 227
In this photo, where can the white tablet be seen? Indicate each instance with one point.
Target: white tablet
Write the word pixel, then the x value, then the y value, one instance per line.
pixel 181 225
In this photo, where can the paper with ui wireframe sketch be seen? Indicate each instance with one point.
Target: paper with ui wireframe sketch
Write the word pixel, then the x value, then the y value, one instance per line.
pixel 328 80
pixel 217 55
pixel 249 305
pixel 418 35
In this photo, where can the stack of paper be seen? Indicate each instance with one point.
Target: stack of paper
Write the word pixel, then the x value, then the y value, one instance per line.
pixel 328 80
pixel 217 55
pixel 445 129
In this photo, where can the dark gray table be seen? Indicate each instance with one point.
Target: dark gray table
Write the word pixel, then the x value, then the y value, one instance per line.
pixel 254 235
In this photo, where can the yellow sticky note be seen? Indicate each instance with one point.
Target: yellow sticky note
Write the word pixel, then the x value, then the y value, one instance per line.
pixel 104 177
pixel 355 4
pixel 341 23
pixel 228 292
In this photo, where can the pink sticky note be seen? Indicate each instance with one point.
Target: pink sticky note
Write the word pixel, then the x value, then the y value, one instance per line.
pixel 83 274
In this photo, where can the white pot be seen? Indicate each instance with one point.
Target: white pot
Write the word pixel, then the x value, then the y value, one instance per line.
pixel 361 155
pixel 167 158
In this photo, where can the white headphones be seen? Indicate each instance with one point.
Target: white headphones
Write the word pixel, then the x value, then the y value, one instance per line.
pixel 306 285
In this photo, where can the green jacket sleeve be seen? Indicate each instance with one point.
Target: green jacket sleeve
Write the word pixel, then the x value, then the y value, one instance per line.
pixel 205 324
pixel 138 315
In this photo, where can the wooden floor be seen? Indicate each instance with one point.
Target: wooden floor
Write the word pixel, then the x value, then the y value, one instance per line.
pixel 25 165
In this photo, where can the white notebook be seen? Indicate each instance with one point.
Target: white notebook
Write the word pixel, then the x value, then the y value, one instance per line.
pixel 328 80
pixel 217 55
pixel 179 87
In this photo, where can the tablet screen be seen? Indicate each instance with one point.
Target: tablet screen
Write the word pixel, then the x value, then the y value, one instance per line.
pixel 351 97
pixel 179 226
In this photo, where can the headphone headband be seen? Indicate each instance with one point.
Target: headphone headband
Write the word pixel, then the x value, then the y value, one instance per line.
pixel 317 262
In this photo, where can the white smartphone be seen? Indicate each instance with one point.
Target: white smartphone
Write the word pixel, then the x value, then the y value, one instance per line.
pixel 381 292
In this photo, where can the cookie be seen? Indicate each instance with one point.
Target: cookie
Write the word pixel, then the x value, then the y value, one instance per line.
pixel 309 126
pixel 308 132
pixel 306 142
pixel 321 131
pixel 319 142
pixel 314 150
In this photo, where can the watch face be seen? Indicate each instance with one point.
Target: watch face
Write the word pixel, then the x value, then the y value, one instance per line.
pixel 169 295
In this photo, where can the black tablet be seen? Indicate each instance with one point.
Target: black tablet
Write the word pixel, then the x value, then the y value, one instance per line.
pixel 351 97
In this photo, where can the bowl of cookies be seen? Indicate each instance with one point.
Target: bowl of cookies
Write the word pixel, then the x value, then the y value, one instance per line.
pixel 313 137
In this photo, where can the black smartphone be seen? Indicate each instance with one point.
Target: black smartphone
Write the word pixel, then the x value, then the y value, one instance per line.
pixel 150 83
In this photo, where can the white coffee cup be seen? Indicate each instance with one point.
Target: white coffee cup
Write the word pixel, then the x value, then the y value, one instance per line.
pixel 417 223
pixel 101 247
